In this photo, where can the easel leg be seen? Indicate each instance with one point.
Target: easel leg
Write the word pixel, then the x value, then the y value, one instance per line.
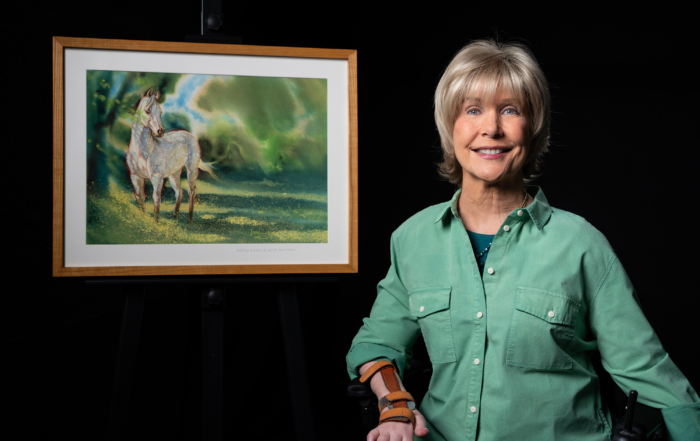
pixel 212 365
pixel 296 368
pixel 126 360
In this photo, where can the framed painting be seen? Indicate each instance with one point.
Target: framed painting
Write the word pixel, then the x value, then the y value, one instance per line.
pixel 187 159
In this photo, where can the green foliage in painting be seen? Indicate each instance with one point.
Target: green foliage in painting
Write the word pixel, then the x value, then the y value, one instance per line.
pixel 277 123
pixel 176 121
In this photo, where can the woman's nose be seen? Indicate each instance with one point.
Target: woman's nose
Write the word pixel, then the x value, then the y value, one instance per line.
pixel 491 126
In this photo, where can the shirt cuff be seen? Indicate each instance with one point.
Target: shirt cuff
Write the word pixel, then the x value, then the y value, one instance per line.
pixel 364 352
pixel 682 421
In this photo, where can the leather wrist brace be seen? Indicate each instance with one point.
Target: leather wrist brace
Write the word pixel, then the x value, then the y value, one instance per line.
pixel 397 400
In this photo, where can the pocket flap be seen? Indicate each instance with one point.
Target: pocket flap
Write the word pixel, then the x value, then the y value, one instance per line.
pixel 425 301
pixel 548 306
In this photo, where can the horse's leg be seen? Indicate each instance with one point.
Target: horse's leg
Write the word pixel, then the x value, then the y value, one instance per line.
pixel 175 184
pixel 192 184
pixel 139 191
pixel 157 182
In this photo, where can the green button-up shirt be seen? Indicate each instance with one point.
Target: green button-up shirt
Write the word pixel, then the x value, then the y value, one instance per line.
pixel 511 352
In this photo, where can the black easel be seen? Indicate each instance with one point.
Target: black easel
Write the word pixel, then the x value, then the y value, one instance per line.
pixel 213 363
pixel 126 360
pixel 213 301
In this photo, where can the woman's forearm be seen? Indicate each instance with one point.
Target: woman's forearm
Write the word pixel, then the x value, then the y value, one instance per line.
pixel 377 382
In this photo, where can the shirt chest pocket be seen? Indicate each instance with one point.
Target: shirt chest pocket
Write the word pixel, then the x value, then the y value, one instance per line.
pixel 431 307
pixel 541 330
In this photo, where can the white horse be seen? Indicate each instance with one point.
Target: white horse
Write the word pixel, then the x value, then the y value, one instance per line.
pixel 156 155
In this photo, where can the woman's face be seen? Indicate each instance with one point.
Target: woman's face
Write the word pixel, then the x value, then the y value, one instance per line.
pixel 491 138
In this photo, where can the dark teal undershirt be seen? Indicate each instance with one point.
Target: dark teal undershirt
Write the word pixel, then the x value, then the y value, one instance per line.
pixel 479 243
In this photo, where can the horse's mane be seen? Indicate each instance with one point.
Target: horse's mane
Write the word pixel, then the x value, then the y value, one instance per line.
pixel 135 107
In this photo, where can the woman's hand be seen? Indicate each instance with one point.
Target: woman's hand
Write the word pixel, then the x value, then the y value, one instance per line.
pixel 398 431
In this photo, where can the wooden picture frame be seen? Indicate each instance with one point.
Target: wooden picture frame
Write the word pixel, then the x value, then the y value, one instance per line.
pixel 76 253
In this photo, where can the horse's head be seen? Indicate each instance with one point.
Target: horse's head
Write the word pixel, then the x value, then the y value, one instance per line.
pixel 149 112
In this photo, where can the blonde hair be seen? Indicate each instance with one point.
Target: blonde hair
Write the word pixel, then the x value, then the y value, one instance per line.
pixel 482 68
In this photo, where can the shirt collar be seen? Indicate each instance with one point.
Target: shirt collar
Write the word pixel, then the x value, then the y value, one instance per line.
pixel 539 210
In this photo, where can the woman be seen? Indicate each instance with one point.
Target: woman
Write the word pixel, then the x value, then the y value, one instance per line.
pixel 511 295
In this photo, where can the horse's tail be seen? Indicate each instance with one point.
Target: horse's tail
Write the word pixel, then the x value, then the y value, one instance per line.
pixel 208 167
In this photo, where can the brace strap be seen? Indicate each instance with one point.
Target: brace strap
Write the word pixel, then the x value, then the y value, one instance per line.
pixel 387 370
pixel 402 415
pixel 394 398
pixel 376 367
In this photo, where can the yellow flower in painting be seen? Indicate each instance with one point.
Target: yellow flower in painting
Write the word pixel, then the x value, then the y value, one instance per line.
pixel 239 220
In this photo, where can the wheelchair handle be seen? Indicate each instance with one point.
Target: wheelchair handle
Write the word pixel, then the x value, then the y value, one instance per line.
pixel 629 432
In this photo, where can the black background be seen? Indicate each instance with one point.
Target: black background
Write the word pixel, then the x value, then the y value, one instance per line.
pixel 624 156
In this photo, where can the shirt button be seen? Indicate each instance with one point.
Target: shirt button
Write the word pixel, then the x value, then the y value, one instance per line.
pixel 479 314
pixel 551 314
pixel 491 271
pixel 473 409
pixel 476 361
pixel 422 308
pixel 506 228
pixel 520 212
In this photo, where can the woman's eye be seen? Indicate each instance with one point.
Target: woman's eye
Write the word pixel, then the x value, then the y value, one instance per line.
pixel 510 111
pixel 472 111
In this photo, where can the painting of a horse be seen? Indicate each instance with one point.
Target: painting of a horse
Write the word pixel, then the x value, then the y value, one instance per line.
pixel 266 138
pixel 156 155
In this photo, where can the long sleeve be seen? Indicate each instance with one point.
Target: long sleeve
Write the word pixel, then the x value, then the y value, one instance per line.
pixel 390 331
pixel 632 353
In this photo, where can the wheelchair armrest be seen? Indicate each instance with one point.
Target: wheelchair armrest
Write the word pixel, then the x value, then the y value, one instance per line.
pixel 367 401
pixel 360 390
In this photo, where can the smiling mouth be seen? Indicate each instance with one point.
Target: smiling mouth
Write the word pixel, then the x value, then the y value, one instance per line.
pixel 495 151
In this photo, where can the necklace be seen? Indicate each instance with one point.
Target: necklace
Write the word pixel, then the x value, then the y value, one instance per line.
pixel 524 199
pixel 480 257
pixel 482 254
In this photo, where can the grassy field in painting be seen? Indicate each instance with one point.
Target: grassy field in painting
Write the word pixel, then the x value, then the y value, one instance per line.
pixel 226 211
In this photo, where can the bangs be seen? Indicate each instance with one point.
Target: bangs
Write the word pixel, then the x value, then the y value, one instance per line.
pixel 484 83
